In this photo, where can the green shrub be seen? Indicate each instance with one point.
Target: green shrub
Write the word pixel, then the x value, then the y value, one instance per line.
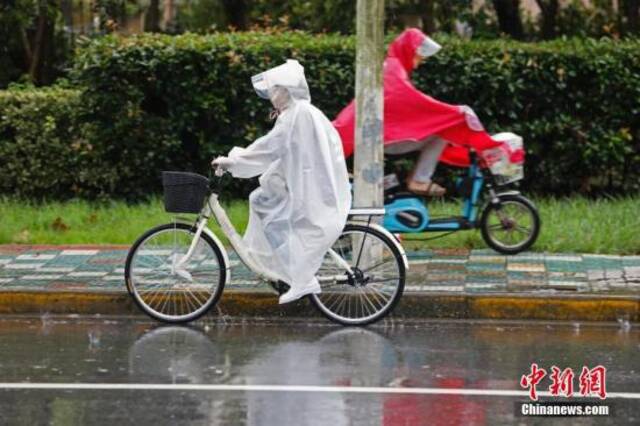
pixel 40 144
pixel 154 102
pixel 52 147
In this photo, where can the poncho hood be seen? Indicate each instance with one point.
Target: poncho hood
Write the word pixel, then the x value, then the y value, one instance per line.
pixel 405 46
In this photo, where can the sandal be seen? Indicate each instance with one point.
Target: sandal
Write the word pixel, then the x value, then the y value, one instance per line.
pixel 427 189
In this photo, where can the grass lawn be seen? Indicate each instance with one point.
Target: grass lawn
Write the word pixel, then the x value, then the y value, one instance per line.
pixel 82 222
pixel 568 225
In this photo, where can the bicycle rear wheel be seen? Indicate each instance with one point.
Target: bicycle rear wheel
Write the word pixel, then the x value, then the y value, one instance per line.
pixel 168 293
pixel 376 284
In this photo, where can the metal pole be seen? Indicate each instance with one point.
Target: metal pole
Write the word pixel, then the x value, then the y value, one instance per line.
pixel 369 154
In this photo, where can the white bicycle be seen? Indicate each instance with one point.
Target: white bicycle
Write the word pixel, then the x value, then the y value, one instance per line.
pixel 176 272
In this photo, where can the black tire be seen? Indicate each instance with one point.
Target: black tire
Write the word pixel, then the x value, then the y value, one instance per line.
pixel 202 309
pixel 395 257
pixel 507 201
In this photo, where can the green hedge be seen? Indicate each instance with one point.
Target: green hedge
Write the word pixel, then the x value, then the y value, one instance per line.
pixel 153 102
pixel 51 146
pixel 41 152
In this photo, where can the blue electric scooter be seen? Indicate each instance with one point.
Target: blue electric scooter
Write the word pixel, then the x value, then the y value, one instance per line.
pixel 508 221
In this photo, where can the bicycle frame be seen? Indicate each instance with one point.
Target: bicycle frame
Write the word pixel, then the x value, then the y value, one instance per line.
pixel 213 207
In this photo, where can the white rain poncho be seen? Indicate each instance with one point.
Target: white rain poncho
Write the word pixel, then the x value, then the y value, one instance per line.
pixel 301 206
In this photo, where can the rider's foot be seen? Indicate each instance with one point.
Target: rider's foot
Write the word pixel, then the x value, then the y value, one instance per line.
pixel 280 287
pixel 297 293
pixel 429 188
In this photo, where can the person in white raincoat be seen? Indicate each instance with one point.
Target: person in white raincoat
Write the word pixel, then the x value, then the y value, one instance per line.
pixel 301 206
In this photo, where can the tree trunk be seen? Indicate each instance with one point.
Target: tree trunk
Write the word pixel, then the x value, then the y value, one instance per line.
pixel 37 49
pixel 169 16
pixel 66 6
pixel 428 19
pixel 549 12
pixel 40 49
pixel 120 15
pixel 152 17
pixel 26 46
pixel 509 20
pixel 236 11
pixel 82 18
pixel 631 10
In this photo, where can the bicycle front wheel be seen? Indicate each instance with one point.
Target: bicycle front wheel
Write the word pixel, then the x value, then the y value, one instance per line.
pixel 163 288
pixel 373 287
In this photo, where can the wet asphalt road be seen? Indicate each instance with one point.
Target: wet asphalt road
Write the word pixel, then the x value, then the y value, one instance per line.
pixel 434 354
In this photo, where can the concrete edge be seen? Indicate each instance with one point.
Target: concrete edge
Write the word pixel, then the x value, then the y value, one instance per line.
pixel 261 304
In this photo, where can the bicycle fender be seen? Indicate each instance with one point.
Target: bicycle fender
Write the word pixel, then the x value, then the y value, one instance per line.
pixel 392 237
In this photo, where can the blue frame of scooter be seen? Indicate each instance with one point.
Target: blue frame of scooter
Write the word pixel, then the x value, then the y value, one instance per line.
pixel 408 204
pixel 469 207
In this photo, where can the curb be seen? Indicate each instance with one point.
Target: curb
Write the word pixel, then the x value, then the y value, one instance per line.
pixel 262 304
pixel 26 247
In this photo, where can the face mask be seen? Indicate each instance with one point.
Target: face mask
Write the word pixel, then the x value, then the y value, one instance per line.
pixel 280 98
pixel 428 48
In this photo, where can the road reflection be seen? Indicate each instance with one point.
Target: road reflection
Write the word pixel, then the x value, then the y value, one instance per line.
pixel 342 357
pixel 455 355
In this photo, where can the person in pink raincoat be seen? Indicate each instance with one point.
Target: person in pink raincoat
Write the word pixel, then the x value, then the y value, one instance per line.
pixel 417 122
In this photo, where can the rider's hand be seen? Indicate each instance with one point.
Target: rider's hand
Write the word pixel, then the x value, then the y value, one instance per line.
pixel 221 164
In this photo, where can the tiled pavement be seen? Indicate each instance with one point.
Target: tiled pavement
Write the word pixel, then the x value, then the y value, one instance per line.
pixel 455 271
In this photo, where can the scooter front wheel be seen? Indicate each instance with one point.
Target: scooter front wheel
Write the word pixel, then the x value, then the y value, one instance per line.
pixel 373 287
pixel 510 226
pixel 164 288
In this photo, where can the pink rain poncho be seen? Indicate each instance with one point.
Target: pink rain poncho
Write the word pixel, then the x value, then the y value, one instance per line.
pixel 410 115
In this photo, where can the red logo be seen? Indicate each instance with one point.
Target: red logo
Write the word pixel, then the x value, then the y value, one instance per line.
pixel 592 381
pixel 531 380
pixel 562 382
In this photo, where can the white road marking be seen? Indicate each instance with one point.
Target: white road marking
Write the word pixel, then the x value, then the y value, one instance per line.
pixel 428 287
pixel 74 252
pixel 24 265
pixel 88 274
pixel 36 257
pixel 435 260
pixel 294 388
pixel 41 277
pixel 56 269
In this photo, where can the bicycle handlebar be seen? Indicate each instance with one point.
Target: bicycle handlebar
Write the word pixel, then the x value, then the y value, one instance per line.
pixel 218 171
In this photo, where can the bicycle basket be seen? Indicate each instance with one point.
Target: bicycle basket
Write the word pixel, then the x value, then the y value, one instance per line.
pixel 503 169
pixel 184 192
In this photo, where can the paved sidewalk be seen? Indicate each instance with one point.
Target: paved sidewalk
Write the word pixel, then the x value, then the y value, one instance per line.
pixel 455 271
pixel 440 283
